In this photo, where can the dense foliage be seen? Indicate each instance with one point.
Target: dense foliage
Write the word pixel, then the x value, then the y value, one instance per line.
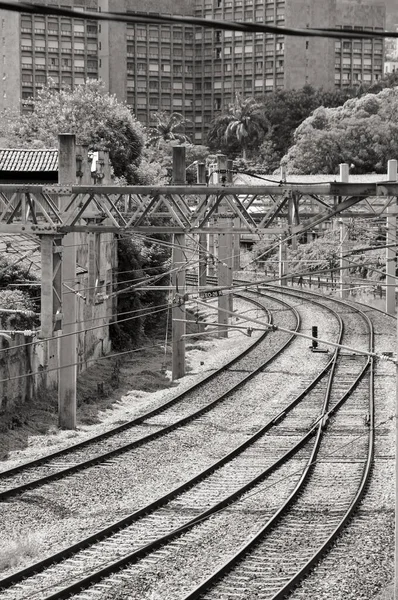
pixel 363 133
pixel 14 298
pixel 272 121
pixel 157 162
pixel 169 127
pixel 97 118
pixel 266 126
pixel 244 124
pixel 323 253
pixel 139 259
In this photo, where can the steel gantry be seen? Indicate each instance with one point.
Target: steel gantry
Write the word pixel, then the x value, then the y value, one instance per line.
pixel 216 212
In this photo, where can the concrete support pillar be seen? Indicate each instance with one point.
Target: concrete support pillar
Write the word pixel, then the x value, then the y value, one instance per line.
pixel 67 342
pixel 293 216
pixel 236 246
pixel 202 270
pixel 343 262
pixel 282 259
pixel 178 278
pixel 224 265
pixel 223 271
pixel 344 178
pixel 178 310
pixel 212 262
pixel 51 265
pixel 391 253
pixel 392 176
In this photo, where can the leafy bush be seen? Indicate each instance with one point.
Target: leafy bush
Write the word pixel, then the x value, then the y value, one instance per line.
pixel 138 259
pixel 17 300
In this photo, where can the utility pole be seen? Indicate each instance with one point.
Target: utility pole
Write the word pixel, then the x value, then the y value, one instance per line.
pixel 282 243
pixel 178 277
pixel 344 178
pixel 293 216
pixel 51 268
pixel 224 264
pixel 233 239
pixel 391 252
pixel 202 271
pixel 67 342
pixel 282 258
pixel 390 270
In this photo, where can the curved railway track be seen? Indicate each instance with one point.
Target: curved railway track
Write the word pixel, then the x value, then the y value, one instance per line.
pixel 284 550
pixel 285 436
pixel 182 409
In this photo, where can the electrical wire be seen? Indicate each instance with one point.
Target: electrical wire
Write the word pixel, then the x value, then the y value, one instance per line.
pixel 107 357
pixel 160 308
pixel 157 19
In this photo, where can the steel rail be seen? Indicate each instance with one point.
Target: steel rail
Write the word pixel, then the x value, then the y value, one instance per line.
pixel 133 557
pixel 13 491
pixel 104 533
pixel 255 540
pixel 137 420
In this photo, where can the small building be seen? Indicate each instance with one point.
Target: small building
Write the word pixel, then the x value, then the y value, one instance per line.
pixel 28 165
pixel 40 166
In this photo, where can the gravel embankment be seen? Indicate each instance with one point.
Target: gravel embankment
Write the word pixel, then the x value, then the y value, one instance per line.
pixel 85 506
pixel 177 568
pixel 361 564
pixel 61 513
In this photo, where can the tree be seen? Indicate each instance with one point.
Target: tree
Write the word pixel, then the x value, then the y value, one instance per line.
pixel 157 161
pixel 286 110
pixel 245 123
pixel 282 112
pixel 167 128
pixel 363 133
pixel 97 118
pixel 137 256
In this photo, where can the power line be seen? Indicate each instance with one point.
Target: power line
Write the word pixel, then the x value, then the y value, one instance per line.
pixel 160 308
pixel 157 19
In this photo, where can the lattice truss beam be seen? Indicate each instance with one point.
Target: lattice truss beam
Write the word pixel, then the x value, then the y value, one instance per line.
pixel 41 209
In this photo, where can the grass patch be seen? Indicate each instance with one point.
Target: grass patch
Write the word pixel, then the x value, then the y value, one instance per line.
pixel 99 388
pixel 20 549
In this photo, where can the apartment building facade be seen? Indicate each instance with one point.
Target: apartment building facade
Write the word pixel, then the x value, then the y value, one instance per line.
pixel 191 70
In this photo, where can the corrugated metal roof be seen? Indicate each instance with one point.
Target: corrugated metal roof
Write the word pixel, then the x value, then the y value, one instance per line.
pixel 26 160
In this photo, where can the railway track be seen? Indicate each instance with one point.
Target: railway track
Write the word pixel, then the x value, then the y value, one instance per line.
pixel 277 557
pixel 184 408
pixel 260 458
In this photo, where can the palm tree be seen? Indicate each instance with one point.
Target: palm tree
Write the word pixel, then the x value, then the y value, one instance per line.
pixel 245 119
pixel 166 128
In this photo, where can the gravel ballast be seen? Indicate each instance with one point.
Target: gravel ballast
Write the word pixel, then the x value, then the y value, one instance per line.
pixel 71 516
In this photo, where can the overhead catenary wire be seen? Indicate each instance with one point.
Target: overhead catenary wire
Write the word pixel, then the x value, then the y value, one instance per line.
pixel 158 19
pixel 107 357
pixel 273 327
pixel 160 308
